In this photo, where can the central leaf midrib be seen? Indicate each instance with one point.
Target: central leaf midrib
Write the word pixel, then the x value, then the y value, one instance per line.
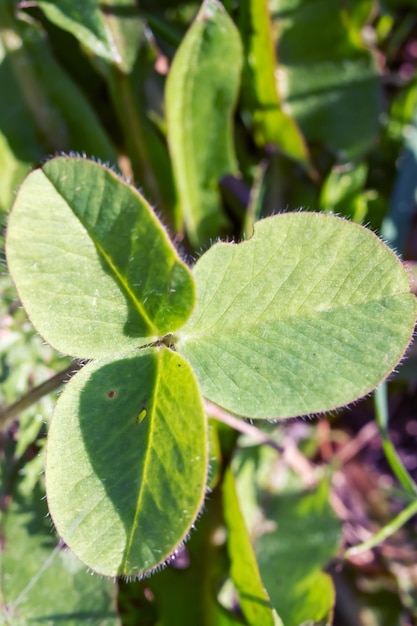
pixel 138 508
pixel 123 282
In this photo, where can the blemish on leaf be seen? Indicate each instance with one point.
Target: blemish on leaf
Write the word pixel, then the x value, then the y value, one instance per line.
pixel 111 394
pixel 141 416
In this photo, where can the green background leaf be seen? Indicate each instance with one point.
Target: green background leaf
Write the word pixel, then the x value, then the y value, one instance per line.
pixel 294 530
pixel 254 600
pixel 139 483
pixel 41 581
pixel 90 244
pixel 201 93
pixel 112 32
pixel 308 315
pixel 291 557
pixel 328 79
pixel 342 192
pixel 13 171
pixel 42 110
pixel 259 86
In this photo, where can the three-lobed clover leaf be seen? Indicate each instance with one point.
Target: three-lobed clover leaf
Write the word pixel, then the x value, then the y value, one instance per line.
pixel 309 314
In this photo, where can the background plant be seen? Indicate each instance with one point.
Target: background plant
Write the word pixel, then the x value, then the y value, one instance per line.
pixel 326 139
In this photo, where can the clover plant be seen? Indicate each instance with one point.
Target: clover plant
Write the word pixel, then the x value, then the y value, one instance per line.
pixel 308 314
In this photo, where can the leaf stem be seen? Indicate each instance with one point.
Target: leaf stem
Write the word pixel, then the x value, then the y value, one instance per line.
pixel 408 484
pixel 8 413
pixel 238 424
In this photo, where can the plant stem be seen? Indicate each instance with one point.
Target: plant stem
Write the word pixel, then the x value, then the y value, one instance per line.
pixel 385 532
pixel 8 413
pixel 131 119
pixel 298 463
pixel 238 424
pixel 382 417
pixel 408 484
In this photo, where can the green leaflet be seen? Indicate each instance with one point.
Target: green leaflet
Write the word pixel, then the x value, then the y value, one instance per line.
pixel 138 484
pixel 201 93
pixel 308 315
pixel 94 267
